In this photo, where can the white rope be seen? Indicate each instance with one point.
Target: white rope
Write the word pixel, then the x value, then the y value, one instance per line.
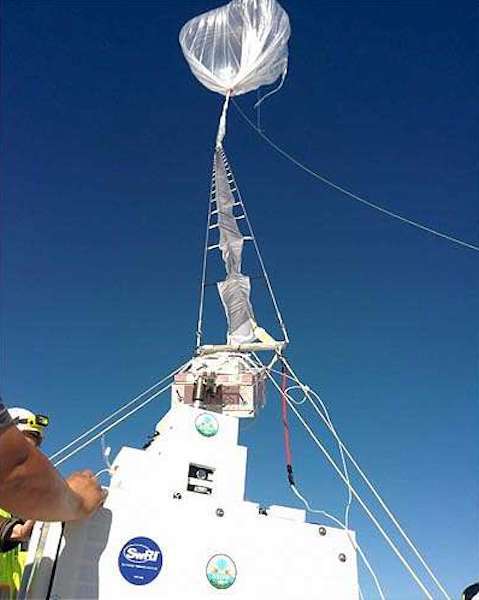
pixel 309 392
pixel 345 525
pixel 354 543
pixel 327 420
pixel 258 253
pixel 363 505
pixel 199 327
pixel 258 109
pixel 116 412
pixel 111 426
pixel 274 91
pixel 295 387
pixel 351 194
pixel 102 471
pixel 305 389
pixel 334 519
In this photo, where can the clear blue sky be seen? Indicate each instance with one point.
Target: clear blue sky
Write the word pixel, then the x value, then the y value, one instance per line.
pixel 107 156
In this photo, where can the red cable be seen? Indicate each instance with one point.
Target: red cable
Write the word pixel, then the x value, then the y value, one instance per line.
pixel 284 416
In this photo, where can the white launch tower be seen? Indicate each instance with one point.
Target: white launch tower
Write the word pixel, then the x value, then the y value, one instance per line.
pixel 176 524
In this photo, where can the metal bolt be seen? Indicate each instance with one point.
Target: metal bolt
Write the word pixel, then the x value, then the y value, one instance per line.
pixel 262 510
pixel 220 512
pixel 177 496
pixel 342 557
pixel 322 531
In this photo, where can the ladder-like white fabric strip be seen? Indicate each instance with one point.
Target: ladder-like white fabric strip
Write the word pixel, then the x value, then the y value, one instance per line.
pixel 235 289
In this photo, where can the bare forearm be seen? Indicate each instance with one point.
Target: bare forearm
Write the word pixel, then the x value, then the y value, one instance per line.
pixel 35 490
pixel 30 487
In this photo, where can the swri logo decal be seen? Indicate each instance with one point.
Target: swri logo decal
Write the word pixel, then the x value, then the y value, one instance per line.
pixel 140 560
pixel 140 554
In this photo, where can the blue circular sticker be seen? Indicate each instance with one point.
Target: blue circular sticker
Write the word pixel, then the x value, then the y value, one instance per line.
pixel 140 560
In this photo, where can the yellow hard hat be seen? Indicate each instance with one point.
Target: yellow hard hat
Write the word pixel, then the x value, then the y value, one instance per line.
pixel 29 422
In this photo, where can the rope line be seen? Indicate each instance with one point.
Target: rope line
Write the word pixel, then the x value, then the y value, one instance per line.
pixel 311 395
pixel 111 426
pixel 305 390
pixel 256 246
pixel 116 412
pixel 354 543
pixel 207 247
pixel 343 190
pixel 284 393
pixel 356 495
pixel 199 327
pixel 325 513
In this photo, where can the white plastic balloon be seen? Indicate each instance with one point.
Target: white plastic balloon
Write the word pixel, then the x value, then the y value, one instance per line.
pixel 238 47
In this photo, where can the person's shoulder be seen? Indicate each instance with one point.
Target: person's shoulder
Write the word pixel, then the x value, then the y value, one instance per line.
pixel 5 418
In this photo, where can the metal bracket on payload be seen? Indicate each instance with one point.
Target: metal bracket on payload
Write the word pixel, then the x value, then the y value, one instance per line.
pixel 266 343
pixel 252 347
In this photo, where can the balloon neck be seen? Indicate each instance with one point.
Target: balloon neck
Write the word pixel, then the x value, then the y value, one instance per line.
pixel 222 123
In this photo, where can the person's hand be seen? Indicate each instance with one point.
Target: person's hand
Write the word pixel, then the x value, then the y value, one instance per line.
pixel 22 533
pixel 86 488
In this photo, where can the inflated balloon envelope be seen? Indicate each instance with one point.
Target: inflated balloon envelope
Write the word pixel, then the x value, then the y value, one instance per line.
pixel 237 48
pixel 232 50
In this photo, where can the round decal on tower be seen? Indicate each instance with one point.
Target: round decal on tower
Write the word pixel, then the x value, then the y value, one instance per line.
pixel 207 425
pixel 140 560
pixel 221 571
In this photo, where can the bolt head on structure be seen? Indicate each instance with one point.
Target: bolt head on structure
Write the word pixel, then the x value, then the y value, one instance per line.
pixel 322 531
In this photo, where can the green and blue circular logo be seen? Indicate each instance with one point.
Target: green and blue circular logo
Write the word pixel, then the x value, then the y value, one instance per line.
pixel 207 425
pixel 221 571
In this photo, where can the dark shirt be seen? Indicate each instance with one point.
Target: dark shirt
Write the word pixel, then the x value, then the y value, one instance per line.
pixel 472 592
pixel 5 418
pixel 6 523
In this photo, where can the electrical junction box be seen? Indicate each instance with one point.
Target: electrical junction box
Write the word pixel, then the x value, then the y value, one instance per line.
pixel 158 537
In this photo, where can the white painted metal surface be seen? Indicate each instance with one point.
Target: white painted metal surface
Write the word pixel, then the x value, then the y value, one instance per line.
pixel 153 526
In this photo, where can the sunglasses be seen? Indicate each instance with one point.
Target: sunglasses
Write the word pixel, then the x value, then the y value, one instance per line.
pixel 38 420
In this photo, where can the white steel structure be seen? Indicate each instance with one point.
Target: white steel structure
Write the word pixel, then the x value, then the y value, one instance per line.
pixel 176 525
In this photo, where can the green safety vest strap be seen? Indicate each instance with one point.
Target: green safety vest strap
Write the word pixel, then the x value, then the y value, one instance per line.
pixel 11 566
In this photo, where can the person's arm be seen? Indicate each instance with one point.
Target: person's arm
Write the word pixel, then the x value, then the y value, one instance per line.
pixel 8 541
pixel 32 488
